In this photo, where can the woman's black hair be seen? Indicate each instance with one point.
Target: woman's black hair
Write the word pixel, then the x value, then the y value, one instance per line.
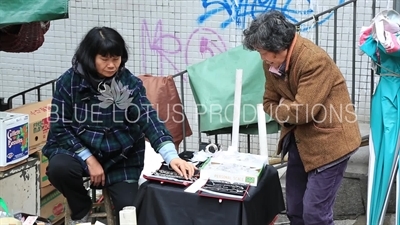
pixel 100 40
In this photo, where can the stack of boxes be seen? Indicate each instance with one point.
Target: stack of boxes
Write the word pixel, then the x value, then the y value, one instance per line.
pixel 52 201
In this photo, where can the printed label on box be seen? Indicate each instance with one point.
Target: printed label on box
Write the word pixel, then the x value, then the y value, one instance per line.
pixel 42 126
pixel 17 142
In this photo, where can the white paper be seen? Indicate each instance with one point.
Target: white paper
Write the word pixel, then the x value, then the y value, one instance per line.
pixel 152 162
pixel 193 188
pixel 30 220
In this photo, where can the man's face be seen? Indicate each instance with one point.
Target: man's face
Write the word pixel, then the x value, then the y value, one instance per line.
pixel 272 59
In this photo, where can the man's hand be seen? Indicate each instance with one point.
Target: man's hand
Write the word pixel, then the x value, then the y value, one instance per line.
pixel 182 167
pixel 96 171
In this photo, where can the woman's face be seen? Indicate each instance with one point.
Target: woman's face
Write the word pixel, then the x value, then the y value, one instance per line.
pixel 107 66
pixel 273 59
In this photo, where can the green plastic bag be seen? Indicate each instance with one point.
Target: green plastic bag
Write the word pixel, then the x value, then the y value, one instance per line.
pixel 21 11
pixel 3 206
pixel 213 85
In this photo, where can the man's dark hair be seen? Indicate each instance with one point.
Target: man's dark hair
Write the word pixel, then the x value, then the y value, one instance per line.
pixel 100 40
pixel 269 31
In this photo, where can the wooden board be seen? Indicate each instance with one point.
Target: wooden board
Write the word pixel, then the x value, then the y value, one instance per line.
pixel 5 168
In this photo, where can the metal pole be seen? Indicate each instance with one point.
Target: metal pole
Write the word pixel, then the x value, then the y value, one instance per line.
pixel 353 53
pixel 396 5
pixel 372 71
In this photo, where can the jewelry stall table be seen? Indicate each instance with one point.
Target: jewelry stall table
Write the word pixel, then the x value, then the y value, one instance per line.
pixel 166 204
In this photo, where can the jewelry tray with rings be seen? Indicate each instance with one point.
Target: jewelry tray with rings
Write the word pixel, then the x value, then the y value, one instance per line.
pixel 224 190
pixel 167 175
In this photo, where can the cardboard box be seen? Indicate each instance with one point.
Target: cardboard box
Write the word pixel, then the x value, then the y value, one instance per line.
pixel 35 149
pixel 46 190
pixel 14 138
pixel 44 162
pixel 52 206
pixel 39 125
pixel 234 167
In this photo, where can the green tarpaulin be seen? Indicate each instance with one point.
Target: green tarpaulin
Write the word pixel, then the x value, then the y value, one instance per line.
pixel 20 11
pixel 213 85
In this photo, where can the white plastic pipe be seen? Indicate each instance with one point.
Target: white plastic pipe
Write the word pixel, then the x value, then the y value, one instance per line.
pixel 236 111
pixel 262 131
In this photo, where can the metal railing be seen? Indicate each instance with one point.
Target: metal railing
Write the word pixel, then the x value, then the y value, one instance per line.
pixel 9 104
pixel 316 18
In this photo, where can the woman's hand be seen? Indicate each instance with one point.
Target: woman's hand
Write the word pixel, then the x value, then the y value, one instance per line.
pixel 182 167
pixel 96 172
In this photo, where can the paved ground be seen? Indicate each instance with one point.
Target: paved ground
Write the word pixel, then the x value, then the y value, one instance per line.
pixel 361 220
pixel 390 220
pixel 284 220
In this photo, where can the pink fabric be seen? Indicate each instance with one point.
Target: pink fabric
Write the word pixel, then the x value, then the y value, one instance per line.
pixel 275 71
pixel 365 33
pixel 391 43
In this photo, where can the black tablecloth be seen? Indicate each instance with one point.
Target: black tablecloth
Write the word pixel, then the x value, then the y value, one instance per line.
pixel 166 204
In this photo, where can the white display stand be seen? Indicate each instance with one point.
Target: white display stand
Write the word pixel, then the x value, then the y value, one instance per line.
pixel 231 165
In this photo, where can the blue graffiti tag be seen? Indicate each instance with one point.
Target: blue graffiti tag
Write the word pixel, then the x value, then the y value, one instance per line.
pixel 239 10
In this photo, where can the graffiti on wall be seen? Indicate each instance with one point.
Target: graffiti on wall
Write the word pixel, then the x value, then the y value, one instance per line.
pixel 162 50
pixel 239 11
pixel 168 52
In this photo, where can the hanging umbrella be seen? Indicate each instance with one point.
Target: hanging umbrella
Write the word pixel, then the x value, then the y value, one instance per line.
pixel 385 128
pixel 380 41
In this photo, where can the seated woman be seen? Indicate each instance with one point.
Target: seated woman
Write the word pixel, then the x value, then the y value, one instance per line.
pixel 100 117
